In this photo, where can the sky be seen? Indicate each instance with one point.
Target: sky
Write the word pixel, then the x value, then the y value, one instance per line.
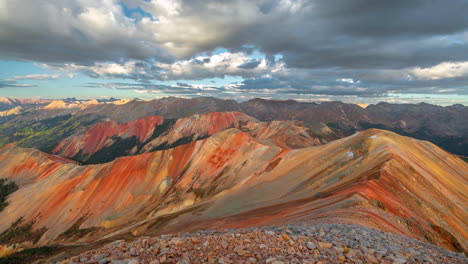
pixel 356 51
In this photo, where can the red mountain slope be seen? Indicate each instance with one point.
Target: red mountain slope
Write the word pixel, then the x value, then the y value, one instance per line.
pixel 373 178
pixel 103 135
pixel 154 133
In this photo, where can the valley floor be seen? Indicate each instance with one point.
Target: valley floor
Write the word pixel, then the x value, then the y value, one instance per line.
pixel 297 243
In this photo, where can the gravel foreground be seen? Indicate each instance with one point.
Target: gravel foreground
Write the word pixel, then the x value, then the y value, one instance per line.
pixel 298 243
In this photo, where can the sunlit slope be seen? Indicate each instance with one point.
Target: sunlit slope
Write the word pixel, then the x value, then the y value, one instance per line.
pixel 374 178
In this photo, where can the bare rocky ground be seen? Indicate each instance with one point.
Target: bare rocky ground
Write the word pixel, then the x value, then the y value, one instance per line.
pixel 298 243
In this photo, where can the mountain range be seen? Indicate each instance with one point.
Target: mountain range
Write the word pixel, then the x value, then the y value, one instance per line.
pixel 100 171
pixel 443 126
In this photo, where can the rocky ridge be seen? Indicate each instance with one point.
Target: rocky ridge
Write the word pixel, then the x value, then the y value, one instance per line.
pixel 298 243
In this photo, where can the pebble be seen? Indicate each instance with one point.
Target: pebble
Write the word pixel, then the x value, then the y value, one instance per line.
pixel 325 245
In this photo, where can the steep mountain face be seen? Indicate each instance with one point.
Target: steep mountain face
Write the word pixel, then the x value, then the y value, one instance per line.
pixel 106 141
pixel 374 178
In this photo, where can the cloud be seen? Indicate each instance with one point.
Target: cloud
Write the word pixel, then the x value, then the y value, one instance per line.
pixel 38 77
pixel 347 80
pixel 8 83
pixel 80 31
pixel 179 89
pixel 320 33
pixel 151 91
pixel 291 85
pixel 441 71
pixel 353 47
pixel 219 65
pixel 269 76
pixel 309 34
pixel 198 68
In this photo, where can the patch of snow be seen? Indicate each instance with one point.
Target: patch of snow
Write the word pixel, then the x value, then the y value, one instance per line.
pixel 374 136
pixel 350 154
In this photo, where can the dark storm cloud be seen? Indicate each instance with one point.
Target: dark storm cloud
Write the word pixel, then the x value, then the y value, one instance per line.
pixel 376 34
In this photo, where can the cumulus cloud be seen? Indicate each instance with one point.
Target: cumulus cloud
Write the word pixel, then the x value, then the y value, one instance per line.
pixel 102 70
pixel 219 65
